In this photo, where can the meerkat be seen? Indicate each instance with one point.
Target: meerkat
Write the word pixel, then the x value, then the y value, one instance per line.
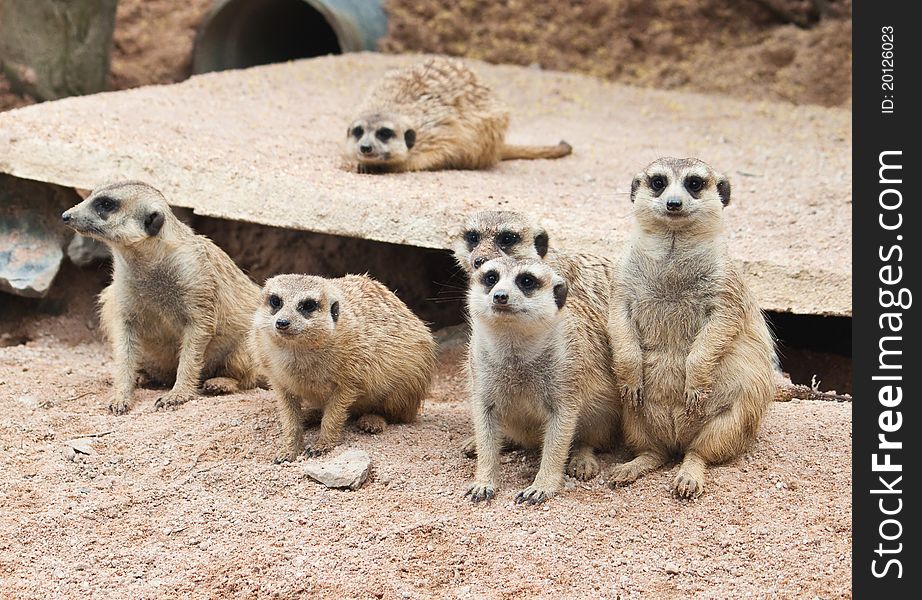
pixel 332 348
pixel 540 376
pixel 691 347
pixel 491 234
pixel 178 307
pixel 434 115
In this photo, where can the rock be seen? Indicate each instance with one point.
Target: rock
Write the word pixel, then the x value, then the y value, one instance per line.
pixel 84 251
pixel 671 568
pixel 32 235
pixel 28 401
pixel 82 446
pixel 348 470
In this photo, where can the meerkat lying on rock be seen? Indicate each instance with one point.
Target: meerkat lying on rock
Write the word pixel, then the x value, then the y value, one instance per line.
pixel 487 235
pixel 540 376
pixel 692 351
pixel 178 307
pixel 339 347
pixel 431 116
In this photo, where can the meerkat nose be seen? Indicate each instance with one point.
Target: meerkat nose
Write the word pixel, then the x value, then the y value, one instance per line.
pixel 282 324
pixel 65 216
pixel 479 261
pixel 365 149
pixel 500 297
pixel 673 203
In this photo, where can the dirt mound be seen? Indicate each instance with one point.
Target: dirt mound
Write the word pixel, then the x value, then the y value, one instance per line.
pixel 792 50
pixel 769 49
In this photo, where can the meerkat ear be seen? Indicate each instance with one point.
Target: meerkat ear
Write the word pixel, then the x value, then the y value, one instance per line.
pixel 334 310
pixel 560 293
pixel 635 185
pixel 409 137
pixel 541 242
pixel 723 190
pixel 153 223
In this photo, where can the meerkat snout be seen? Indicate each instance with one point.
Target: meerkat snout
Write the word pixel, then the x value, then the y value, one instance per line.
pixel 674 204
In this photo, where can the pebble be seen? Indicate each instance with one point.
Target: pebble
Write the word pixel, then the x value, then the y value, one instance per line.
pixel 671 568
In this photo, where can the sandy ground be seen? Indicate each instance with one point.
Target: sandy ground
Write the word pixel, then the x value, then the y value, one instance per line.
pixel 189 501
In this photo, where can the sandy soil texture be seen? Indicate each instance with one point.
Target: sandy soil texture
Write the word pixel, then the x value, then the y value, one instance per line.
pixel 167 504
pixel 791 50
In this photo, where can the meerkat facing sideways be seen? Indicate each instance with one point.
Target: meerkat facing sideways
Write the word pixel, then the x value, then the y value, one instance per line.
pixel 339 347
pixel 434 115
pixel 491 234
pixel 539 376
pixel 177 308
pixel 691 347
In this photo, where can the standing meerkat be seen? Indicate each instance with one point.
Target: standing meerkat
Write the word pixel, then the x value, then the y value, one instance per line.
pixel 338 347
pixel 540 376
pixel 691 347
pixel 434 115
pixel 178 307
pixel 492 234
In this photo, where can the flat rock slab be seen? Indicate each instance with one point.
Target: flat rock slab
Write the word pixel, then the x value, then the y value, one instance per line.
pixel 348 470
pixel 263 145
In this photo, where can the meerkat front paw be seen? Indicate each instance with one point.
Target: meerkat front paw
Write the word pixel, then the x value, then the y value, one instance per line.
pixel 217 386
pixel 687 485
pixel 120 405
pixel 172 400
pixel 632 395
pixel 318 449
pixel 370 423
pixel 583 466
pixel 534 494
pixel 694 398
pixel 624 474
pixel 481 492
pixel 288 455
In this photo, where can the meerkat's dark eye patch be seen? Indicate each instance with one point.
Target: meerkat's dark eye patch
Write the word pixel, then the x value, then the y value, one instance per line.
pixel 385 134
pixel 658 183
pixel 306 307
pixel 723 190
pixel 105 206
pixel 489 279
pixel 694 185
pixel 527 282
pixel 274 302
pixel 507 238
pixel 471 238
pixel 357 132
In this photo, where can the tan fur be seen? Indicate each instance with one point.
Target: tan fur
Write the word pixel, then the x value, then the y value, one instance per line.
pixel 177 308
pixel 373 360
pixel 454 121
pixel 540 376
pixel 491 234
pixel 691 347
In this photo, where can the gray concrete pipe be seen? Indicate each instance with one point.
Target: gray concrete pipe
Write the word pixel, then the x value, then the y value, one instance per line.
pixel 243 33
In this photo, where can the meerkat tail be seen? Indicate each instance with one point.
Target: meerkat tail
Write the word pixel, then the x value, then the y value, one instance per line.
pixel 786 392
pixel 510 152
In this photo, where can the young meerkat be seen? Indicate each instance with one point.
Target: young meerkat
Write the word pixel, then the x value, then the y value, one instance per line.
pixel 178 307
pixel 691 347
pixel 431 116
pixel 540 376
pixel 491 234
pixel 339 347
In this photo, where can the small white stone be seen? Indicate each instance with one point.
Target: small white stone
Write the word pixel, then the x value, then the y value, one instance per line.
pixel 348 470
